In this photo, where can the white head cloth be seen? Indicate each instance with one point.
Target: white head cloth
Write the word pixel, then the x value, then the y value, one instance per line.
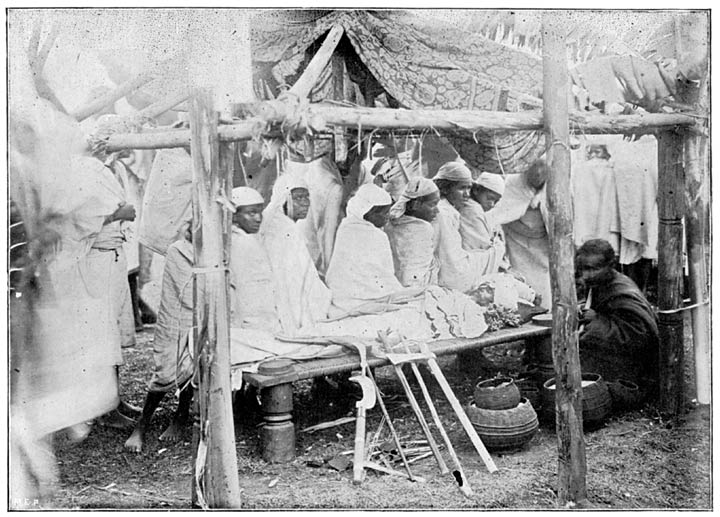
pixel 366 197
pixel 417 187
pixel 282 192
pixel 490 181
pixel 246 196
pixel 454 171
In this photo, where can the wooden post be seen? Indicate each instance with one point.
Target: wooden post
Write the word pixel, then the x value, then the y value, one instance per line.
pixel 566 357
pixel 671 209
pixel 216 461
pixel 697 237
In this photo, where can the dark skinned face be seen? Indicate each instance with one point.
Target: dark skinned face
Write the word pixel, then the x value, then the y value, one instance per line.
pixel 487 199
pixel 378 215
pixel 425 208
pixel 301 203
pixel 458 193
pixel 248 217
pixel 592 270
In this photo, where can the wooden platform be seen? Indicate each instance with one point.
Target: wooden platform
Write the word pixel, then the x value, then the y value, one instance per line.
pixel 319 367
pixel 278 434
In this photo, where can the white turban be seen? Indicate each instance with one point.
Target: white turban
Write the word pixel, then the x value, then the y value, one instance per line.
pixel 366 197
pixel 493 182
pixel 417 187
pixel 246 196
pixel 454 171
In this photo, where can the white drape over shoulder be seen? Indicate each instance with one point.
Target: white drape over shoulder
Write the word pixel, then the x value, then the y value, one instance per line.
pixel 301 297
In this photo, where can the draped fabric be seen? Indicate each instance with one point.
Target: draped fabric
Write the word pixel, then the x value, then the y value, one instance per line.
pixel 475 228
pixel 166 203
pixel 326 198
pixel 412 242
pixel 417 68
pixel 302 298
pixel 362 265
pixel 459 268
pixel 522 213
pixel 251 284
pixel 171 352
pixel 622 342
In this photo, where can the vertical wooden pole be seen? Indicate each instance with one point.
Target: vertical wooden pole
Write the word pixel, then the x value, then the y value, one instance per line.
pixel 671 209
pixel 216 462
pixel 697 237
pixel 566 357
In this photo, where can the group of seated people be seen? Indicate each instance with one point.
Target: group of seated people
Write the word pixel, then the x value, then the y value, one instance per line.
pixel 436 235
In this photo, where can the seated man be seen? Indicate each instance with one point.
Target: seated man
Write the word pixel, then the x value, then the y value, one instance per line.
pixel 361 268
pixel 301 296
pixel 251 279
pixel 411 234
pixel 620 335
pixel 475 228
pixel 460 269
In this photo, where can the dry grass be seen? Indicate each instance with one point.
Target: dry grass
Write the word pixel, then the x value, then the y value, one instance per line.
pixel 636 461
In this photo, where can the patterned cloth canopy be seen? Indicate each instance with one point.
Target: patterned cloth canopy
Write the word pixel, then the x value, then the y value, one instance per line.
pixel 383 52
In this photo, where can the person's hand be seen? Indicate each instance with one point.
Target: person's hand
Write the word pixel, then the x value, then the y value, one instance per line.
pixel 587 315
pixel 125 212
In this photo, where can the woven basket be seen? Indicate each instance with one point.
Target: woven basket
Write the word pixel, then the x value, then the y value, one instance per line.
pixel 505 429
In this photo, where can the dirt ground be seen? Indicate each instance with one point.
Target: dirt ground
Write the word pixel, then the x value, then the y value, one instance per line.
pixel 636 461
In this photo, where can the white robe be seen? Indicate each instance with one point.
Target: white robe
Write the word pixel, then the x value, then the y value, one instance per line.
pixel 252 284
pixel 459 268
pixel 412 241
pixel 361 268
pixel 301 297
pixel 523 211
pixel 326 198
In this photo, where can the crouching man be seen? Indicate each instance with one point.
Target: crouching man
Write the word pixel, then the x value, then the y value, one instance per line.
pixel 620 336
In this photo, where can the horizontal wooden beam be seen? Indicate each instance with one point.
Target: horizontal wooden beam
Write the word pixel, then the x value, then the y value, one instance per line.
pixel 400 119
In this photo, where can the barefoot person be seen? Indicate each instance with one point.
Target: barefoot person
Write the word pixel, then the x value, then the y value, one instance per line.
pixel 173 365
pixel 252 306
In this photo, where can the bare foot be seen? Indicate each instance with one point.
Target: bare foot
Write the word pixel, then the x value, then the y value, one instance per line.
pixel 135 442
pixel 172 433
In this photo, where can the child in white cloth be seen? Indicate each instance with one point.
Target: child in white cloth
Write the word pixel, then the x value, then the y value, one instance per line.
pixel 505 290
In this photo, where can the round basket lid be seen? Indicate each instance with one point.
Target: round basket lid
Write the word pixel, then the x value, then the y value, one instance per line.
pixel 275 367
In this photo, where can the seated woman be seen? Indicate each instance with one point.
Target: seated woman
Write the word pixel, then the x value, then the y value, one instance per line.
pixel 361 268
pixel 368 298
pixel 301 297
pixel 460 269
pixel 411 234
pixel 476 229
